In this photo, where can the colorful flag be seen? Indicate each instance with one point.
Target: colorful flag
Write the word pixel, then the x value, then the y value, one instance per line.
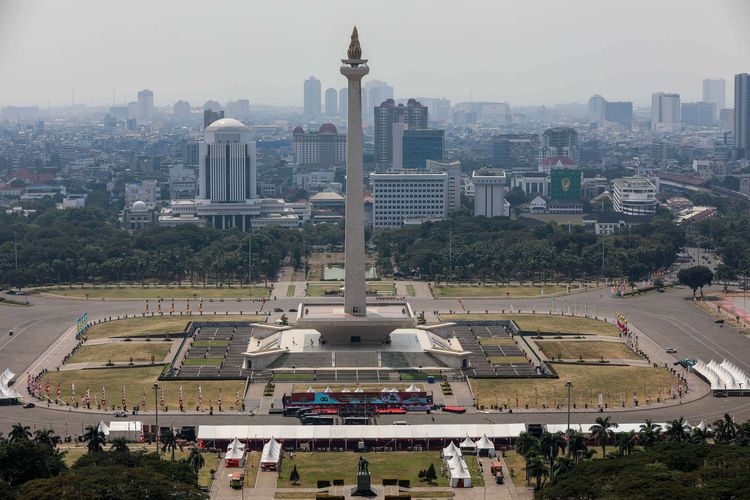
pixel 73 392
pixel 88 396
pixel 59 391
pixel 143 399
pixel 104 397
pixel 122 397
pixel 181 400
pixel 161 395
pixel 218 401
pixel 200 395
pixel 237 401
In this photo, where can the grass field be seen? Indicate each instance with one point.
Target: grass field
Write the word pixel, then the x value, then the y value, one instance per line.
pixel 585 349
pixel 543 322
pixel 505 360
pixel 319 289
pixel 291 290
pixel 389 465
pixel 351 387
pixel 202 362
pixel 135 381
pixel 252 461
pixel 516 466
pixel 122 351
pixel 210 343
pixel 154 292
pixel 159 324
pixel 588 383
pixel 492 341
pixel 410 291
pixel 495 291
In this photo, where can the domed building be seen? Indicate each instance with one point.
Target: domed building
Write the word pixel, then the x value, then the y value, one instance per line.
pixel 325 147
pixel 138 216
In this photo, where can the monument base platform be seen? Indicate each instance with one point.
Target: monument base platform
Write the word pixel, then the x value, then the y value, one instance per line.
pixel 364 487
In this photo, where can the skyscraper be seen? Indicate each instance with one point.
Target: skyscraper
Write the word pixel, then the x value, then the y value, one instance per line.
pixel 665 112
pixel 560 141
pixel 181 109
pixel 332 105
pixel 145 105
pixel 421 145
pixel 597 108
pixel 715 91
pixel 516 152
pixel 414 115
pixel 619 112
pixel 702 114
pixel 343 101
pixel 227 170
pixel 239 109
pixel 742 113
pixel 312 97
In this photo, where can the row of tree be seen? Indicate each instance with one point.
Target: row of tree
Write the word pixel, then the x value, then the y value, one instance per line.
pixel 554 458
pixel 32 467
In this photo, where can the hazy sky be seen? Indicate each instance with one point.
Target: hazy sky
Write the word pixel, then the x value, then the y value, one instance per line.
pixel 520 51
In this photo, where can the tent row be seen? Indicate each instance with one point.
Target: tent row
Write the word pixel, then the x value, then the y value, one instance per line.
pixel 328 390
pixel 482 446
pixel 722 376
pixel 351 432
pixel 131 430
pixel 270 458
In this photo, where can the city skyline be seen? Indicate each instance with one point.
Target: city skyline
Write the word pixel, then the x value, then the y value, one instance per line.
pixel 521 62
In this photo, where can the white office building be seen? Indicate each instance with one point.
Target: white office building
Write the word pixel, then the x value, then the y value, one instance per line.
pixel 665 112
pixel 145 105
pixel 324 147
pixel 489 192
pixel 406 197
pixel 146 191
pixel 715 91
pixel 634 196
pixel 453 188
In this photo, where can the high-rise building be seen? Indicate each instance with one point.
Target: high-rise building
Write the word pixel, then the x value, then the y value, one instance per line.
pixel 516 152
pixel 212 105
pixel 403 196
pixel 726 119
pixel 324 147
pixel 597 108
pixel 414 115
pixel 227 169
pixel 634 196
pixel 560 141
pixel 211 116
pixel 701 114
pixel 145 105
pixel 312 97
pixel 181 109
pixel 619 112
pixel 343 98
pixel 332 105
pixel 190 153
pixel 421 145
pixel 453 187
pixel 239 109
pixel 665 112
pixel 489 193
pixel 715 91
pixel 742 113
pixel 132 110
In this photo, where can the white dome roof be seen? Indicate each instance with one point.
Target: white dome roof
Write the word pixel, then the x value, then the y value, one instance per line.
pixel 139 206
pixel 227 125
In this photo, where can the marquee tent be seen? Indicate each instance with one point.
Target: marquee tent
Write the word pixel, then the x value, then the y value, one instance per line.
pixel 235 456
pixel 270 459
pixel 485 446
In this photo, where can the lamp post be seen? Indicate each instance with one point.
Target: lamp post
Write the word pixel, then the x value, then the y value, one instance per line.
pixel 569 385
pixel 156 406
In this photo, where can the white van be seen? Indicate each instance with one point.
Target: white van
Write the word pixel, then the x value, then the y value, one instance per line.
pixel 400 422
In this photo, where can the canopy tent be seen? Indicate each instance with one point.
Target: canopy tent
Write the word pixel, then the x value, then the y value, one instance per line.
pixel 235 456
pixel 701 425
pixel 460 477
pixel 7 393
pixel 345 389
pixel 103 428
pixel 485 446
pixel 412 388
pixel 270 459
pixel 468 444
pixel 451 451
pixel 128 429
pixel 310 389
pixel 359 389
pixel 328 389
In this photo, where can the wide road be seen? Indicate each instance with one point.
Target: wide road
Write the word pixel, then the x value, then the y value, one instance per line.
pixel 668 318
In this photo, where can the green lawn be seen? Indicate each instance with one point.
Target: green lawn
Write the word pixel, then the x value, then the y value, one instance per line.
pixel 210 343
pixel 499 341
pixel 160 324
pixel 291 290
pixel 135 381
pixel 154 292
pixel 319 289
pixel 517 467
pixel 122 351
pixel 572 349
pixel 509 360
pixel 588 382
pixel 543 322
pixel 410 291
pixel 203 361
pixel 495 291
pixel 343 465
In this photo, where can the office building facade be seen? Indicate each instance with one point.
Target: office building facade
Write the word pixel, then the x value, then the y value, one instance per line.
pixel 145 105
pixel 620 112
pixel 634 196
pixel 324 147
pixel 665 112
pixel 413 114
pixel 181 109
pixel 312 97
pixel 489 193
pixel 560 141
pixel 400 197
pixel 742 114
pixel 227 169
pixel 421 145
pixel 331 102
pixel 715 91
pixel 516 152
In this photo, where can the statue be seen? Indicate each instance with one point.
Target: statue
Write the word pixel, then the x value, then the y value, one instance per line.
pixel 355 51
pixel 363 466
pixel 364 486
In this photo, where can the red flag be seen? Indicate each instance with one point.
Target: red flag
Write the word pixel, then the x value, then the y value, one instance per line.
pixel 143 399
pixel 47 389
pixel 200 395
pixel 59 391
pixel 104 397
pixel 161 395
pixel 218 401
pixel 237 401
pixel 122 397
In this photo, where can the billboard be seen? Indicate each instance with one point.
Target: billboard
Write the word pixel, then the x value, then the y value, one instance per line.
pixel 565 184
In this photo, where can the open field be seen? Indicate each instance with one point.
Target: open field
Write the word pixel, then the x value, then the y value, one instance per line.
pixel 343 465
pixel 252 461
pixel 202 361
pixel 496 341
pixel 516 466
pixel 76 451
pixel 351 387
pixel 122 351
pixel 154 292
pixel 505 360
pixel 584 349
pixel 319 289
pixel 319 260
pixel 138 327
pixel 495 291
pixel 291 290
pixel 136 381
pixel 543 323
pixel 588 382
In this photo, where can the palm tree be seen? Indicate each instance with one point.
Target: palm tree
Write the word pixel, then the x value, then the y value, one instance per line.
pixel 700 436
pixel 169 442
pixel 577 446
pixel 649 433
pixel 677 430
pixel 562 465
pixel 551 445
pixel 526 444
pixel 602 431
pixel 535 467
pixel 47 436
pixel 94 439
pixel 19 432
pixel 626 442
pixel 195 459
pixel 725 429
pixel 742 437
pixel 120 444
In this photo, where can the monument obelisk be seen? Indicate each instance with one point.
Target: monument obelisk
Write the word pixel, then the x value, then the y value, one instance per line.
pixel 354 68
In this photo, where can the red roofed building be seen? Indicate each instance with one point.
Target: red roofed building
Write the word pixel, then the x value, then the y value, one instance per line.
pixel 548 164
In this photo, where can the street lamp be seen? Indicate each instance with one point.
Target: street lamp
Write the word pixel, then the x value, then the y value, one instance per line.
pixel 569 385
pixel 156 406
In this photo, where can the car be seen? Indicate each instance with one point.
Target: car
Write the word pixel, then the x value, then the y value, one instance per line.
pixel 671 350
pixel 121 414
pixel 293 310
pixel 29 405
pixel 10 332
pixel 239 299
pixel 680 287
pixel 719 321
pixel 278 310
pixel 499 479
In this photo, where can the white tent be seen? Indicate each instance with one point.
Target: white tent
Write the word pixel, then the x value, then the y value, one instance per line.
pixel 235 455
pixel 393 389
pixel 359 389
pixel 412 388
pixel 702 425
pixel 345 389
pixel 451 451
pixel 130 430
pixel 468 444
pixel 328 389
pixel 271 456
pixel 460 477
pixel 310 389
pixel 103 428
pixel 236 444
pixel 485 445
pixel 384 389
